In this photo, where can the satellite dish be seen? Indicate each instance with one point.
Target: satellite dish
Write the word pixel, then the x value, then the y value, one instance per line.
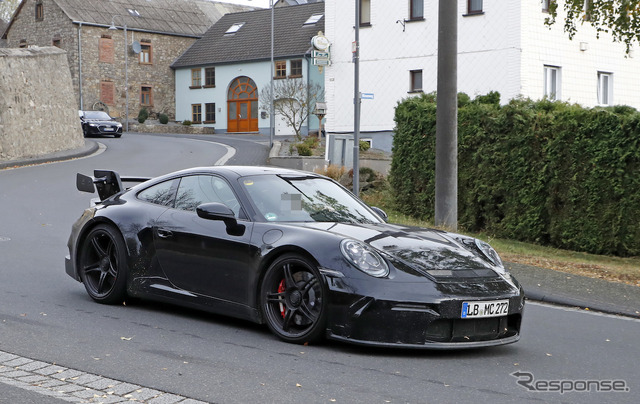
pixel 135 46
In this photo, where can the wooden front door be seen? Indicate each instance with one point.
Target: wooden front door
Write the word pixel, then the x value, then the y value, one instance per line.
pixel 242 106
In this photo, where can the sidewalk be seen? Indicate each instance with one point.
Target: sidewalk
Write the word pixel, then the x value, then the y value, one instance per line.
pixel 540 284
pixel 567 289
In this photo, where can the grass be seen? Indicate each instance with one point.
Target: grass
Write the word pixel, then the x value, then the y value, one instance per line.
pixel 624 270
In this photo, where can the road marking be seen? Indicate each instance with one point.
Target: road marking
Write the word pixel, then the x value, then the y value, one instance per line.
pixel 76 386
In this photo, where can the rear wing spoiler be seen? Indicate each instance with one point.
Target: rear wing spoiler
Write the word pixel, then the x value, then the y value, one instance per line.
pixel 107 183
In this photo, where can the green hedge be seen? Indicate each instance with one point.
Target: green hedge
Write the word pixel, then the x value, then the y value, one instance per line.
pixel 538 171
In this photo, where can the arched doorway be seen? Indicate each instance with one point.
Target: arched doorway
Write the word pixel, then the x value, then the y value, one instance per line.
pixel 242 106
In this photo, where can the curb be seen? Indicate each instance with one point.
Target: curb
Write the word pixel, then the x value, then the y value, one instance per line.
pixel 89 147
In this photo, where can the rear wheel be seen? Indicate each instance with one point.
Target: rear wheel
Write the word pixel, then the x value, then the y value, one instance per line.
pixel 103 265
pixel 293 299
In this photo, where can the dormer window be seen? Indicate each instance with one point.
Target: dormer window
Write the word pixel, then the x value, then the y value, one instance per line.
pixel 313 19
pixel 234 28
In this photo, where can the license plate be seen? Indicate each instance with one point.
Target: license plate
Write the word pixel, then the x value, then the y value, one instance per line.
pixel 108 129
pixel 493 308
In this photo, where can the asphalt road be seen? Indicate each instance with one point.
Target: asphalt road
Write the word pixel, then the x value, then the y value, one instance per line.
pixel 47 316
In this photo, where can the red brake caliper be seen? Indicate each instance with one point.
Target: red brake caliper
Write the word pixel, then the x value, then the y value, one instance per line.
pixel 281 289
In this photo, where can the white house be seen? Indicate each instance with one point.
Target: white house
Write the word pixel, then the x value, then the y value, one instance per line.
pixel 503 45
pixel 220 77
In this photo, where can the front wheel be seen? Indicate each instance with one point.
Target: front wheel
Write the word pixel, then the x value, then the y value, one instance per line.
pixel 293 299
pixel 103 265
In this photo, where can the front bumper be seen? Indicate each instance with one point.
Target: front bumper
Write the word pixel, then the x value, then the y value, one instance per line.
pixel 433 322
pixel 104 130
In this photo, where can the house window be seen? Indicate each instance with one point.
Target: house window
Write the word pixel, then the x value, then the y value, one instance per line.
pixel 196 78
pixel 474 6
pixel 416 9
pixel 196 113
pixel 365 12
pixel 39 11
pixel 552 82
pixel 57 42
pixel 296 68
pixel 146 96
pixel 234 28
pixel 605 88
pixel 105 49
pixel 145 54
pixel 210 112
pixel 416 81
pixel 281 69
pixel 313 19
pixel 23 43
pixel 210 77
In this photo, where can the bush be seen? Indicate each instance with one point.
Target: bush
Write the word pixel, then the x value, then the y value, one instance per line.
pixel 364 146
pixel 143 115
pixel 186 122
pixel 164 119
pixel 547 172
pixel 304 149
pixel 332 171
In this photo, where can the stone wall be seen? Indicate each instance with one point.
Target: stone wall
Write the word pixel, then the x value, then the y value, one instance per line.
pixel 56 27
pixel 38 112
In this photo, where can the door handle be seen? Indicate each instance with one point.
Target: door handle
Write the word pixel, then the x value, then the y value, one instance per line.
pixel 162 233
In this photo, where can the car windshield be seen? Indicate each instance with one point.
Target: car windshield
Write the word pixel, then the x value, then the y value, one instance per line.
pixel 304 199
pixel 96 115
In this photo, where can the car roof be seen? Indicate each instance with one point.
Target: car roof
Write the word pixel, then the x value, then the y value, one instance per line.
pixel 242 171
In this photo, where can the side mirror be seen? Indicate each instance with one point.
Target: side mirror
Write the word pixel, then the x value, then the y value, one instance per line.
pixel 383 215
pixel 219 211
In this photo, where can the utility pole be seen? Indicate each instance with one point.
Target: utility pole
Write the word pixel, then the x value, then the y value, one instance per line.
pixel 446 209
pixel 356 105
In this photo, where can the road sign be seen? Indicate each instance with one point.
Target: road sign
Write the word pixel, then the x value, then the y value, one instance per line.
pixel 366 96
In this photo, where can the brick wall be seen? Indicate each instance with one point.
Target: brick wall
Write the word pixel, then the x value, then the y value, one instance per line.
pixel 37 112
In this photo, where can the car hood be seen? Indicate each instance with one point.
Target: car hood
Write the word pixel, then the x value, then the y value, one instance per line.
pixel 431 252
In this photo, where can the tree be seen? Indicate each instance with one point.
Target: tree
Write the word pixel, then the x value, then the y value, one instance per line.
pixel 7 7
pixel 294 100
pixel 620 18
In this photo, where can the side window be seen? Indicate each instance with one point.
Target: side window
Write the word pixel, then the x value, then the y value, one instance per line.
pixel 159 194
pixel 199 189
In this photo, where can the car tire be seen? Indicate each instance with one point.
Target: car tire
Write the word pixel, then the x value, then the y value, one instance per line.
pixel 103 264
pixel 293 299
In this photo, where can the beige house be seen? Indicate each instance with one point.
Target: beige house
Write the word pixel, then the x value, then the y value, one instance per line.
pixel 92 32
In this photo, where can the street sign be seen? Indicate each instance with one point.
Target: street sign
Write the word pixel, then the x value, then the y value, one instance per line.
pixel 320 55
pixel 366 96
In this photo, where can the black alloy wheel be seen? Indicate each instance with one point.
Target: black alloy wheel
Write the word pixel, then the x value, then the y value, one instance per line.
pixel 293 299
pixel 103 265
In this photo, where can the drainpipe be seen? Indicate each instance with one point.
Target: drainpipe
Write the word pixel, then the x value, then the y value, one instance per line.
pixel 80 65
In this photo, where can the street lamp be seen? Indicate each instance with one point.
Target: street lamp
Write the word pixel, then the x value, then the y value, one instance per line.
pixel 272 118
pixel 126 70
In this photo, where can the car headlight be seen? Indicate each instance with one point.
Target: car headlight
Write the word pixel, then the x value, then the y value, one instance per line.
pixel 94 125
pixel 364 258
pixel 490 254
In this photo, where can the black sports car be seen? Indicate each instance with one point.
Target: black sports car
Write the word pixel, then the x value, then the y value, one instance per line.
pixel 99 123
pixel 294 250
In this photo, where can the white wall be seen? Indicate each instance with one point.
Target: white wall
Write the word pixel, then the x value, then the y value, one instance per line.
pixel 259 72
pixel 579 69
pixel 488 48
pixel 503 50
